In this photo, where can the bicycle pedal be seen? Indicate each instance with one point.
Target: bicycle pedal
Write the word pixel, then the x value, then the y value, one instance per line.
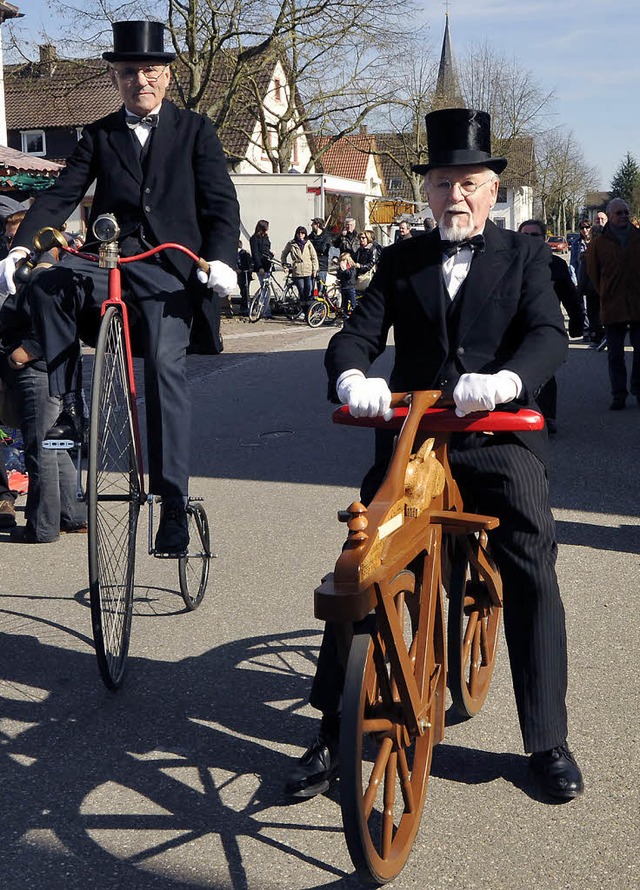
pixel 60 444
pixel 176 555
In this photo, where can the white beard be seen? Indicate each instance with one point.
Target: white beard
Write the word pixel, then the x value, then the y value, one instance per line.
pixel 455 231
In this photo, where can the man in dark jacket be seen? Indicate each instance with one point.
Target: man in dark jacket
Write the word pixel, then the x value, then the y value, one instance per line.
pixel 474 313
pixel 321 241
pixel 347 241
pixel 162 173
pixel 613 266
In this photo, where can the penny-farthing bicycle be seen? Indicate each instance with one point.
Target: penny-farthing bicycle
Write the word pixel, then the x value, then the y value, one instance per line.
pixel 114 486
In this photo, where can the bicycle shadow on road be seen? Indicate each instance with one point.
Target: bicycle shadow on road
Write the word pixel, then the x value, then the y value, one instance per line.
pixel 169 782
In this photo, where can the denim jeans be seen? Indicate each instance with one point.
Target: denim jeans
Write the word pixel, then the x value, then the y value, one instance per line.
pixel 616 335
pixel 51 500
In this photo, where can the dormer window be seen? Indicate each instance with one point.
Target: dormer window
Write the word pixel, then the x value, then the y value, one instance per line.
pixel 277 90
pixel 33 142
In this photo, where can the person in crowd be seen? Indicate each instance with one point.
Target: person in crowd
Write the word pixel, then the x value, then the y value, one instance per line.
pixel 404 231
pixel 346 275
pixel 348 239
pixel 260 247
pixel 613 265
pixel 164 171
pixel 578 247
pixel 474 314
pixel 52 505
pixel 591 297
pixel 365 261
pixel 566 291
pixel 321 240
pixel 601 218
pixel 373 241
pixel 244 266
pixel 429 223
pixel 301 255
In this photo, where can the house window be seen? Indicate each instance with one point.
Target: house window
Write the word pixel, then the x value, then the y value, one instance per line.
pixel 395 184
pixel 33 142
pixel 277 90
pixel 296 156
pixel 502 195
pixel 79 133
pixel 500 222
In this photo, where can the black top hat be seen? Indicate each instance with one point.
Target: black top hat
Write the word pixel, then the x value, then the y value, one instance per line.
pixel 134 41
pixel 459 137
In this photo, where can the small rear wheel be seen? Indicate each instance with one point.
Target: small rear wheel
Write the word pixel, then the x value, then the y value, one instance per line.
pixel 193 569
pixel 316 313
pixel 472 632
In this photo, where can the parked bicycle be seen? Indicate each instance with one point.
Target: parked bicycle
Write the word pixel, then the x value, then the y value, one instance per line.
pixel 114 484
pixel 281 299
pixel 327 304
pixel 386 600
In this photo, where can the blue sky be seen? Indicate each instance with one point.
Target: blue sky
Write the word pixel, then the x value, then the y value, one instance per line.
pixel 586 51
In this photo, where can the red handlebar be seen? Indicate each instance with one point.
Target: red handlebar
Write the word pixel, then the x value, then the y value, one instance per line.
pixel 444 420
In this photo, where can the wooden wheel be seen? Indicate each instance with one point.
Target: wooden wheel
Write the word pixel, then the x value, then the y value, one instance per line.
pixel 472 630
pixel 384 768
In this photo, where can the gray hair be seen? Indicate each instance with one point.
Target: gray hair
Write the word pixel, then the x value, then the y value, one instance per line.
pixel 614 202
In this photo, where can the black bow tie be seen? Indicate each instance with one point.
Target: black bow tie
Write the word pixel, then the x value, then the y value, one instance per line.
pixel 452 247
pixel 151 120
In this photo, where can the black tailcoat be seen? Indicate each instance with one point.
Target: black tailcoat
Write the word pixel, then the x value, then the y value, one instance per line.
pixel 509 318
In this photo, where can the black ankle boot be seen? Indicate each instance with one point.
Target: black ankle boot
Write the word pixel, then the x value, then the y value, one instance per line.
pixel 313 772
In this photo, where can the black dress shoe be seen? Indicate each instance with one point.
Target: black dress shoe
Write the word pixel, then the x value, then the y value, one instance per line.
pixel 173 535
pixel 313 773
pixel 557 773
pixel 618 403
pixel 67 432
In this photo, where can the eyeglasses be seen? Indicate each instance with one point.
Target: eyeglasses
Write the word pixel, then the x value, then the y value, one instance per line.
pixel 152 73
pixel 620 213
pixel 584 228
pixel 468 187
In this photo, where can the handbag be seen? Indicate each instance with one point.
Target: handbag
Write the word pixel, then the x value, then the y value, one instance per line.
pixel 363 281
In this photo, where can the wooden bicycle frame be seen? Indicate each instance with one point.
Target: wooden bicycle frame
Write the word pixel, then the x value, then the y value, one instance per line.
pixel 383 540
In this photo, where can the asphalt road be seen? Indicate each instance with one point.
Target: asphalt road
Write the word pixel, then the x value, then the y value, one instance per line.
pixel 175 781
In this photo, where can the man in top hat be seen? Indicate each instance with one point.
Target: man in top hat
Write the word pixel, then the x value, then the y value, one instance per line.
pixel 475 315
pixel 162 172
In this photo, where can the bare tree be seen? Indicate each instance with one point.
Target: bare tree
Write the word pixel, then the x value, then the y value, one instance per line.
pixel 563 179
pixel 335 67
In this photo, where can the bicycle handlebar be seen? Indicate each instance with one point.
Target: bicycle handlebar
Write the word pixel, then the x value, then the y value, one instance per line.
pixel 441 418
pixel 48 238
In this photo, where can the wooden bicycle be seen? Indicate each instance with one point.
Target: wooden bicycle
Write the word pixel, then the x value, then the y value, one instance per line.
pixel 386 598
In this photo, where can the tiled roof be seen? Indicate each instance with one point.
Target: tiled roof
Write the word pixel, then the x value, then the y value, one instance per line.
pixel 57 94
pixel 12 161
pixel 68 93
pixel 348 157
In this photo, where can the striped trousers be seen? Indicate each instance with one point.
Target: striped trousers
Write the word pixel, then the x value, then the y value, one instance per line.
pixel 500 477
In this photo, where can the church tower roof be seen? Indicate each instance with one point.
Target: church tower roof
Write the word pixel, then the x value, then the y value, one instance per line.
pixel 447 94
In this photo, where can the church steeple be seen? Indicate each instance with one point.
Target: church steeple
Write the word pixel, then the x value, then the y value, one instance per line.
pixel 447 94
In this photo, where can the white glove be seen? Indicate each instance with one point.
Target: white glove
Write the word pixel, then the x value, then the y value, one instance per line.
pixel 482 392
pixel 221 278
pixel 365 396
pixel 8 267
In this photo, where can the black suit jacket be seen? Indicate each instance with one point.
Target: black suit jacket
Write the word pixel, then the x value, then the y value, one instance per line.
pixel 185 193
pixel 509 318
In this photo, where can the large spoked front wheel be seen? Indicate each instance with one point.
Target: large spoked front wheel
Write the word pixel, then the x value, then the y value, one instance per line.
pixel 193 569
pixel 472 630
pixel 384 766
pixel 316 313
pixel 113 500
